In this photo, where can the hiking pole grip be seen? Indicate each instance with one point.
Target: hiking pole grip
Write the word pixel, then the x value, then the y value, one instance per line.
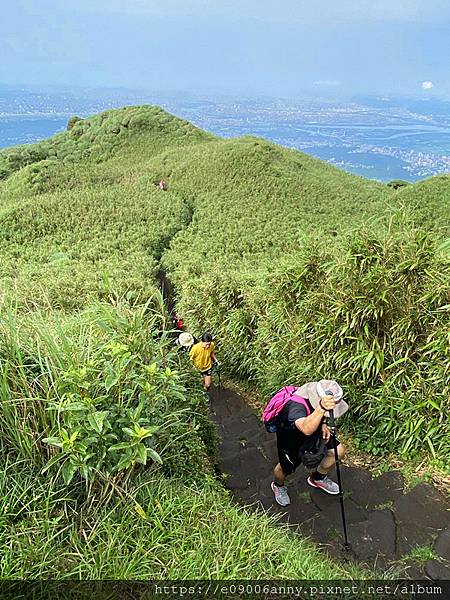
pixel 338 473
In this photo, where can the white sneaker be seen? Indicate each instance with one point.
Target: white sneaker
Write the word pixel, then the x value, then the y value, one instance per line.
pixel 326 484
pixel 281 494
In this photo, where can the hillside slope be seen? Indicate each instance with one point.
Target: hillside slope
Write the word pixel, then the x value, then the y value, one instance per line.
pixel 100 137
pixel 300 271
pixel 87 204
pixel 271 249
pixel 430 202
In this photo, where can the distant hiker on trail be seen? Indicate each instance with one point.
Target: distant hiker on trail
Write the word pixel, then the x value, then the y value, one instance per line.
pixel 177 322
pixel 162 185
pixel 202 355
pixel 303 435
pixel 185 340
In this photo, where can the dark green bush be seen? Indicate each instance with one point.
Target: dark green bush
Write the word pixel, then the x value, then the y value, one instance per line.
pixel 108 396
pixel 397 183
pixel 72 122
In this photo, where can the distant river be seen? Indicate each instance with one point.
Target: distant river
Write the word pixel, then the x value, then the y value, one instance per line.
pixel 342 145
pixel 24 129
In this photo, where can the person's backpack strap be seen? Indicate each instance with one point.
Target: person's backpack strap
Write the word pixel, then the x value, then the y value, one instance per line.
pixel 278 402
pixel 303 401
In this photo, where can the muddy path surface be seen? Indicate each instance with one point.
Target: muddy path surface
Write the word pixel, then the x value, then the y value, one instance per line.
pixel 384 522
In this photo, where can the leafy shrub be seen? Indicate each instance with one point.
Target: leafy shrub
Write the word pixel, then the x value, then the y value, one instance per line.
pixel 109 396
pixel 72 122
pixel 397 183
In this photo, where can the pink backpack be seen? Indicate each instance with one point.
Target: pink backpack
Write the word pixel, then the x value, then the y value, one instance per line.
pixel 277 403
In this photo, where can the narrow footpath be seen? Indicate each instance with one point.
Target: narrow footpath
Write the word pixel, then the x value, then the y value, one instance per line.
pixel 384 523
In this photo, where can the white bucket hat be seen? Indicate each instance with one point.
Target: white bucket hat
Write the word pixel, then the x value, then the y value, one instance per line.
pixel 185 339
pixel 316 390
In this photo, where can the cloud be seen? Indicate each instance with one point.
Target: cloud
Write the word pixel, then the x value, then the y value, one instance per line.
pixel 427 85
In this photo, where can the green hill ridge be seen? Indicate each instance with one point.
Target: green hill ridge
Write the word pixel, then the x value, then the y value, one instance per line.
pixel 298 268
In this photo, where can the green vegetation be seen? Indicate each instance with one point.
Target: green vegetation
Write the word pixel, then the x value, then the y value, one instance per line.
pixel 107 460
pixel 180 532
pixel 397 183
pixel 103 389
pixel 103 136
pixel 370 312
pixel 430 202
pixel 299 269
pixel 421 554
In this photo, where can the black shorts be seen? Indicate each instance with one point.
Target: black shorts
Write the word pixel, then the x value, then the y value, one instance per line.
pixel 289 446
pixel 207 373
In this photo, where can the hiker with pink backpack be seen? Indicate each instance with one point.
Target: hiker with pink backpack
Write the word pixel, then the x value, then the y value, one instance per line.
pixel 297 416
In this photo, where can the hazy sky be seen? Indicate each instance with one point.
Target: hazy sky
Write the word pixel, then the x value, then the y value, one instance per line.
pixel 248 47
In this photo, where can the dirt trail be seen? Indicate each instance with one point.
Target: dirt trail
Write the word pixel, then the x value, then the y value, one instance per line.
pixel 384 523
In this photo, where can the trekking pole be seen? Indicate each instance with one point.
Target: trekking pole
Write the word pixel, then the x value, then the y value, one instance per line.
pixel 347 546
pixel 218 376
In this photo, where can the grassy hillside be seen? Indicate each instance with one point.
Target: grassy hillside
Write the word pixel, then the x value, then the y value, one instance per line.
pixel 88 206
pixel 61 248
pixel 299 269
pixel 107 460
pixel 430 200
pixel 272 249
pixel 103 136
pixel 79 224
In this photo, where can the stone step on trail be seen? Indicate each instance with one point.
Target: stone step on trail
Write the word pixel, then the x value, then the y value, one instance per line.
pixel 242 427
pixel 442 545
pixel 372 492
pixel 232 405
pixel 387 487
pixel 421 515
pixel 374 535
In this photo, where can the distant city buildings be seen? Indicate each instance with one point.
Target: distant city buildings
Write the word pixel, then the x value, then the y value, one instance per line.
pixel 385 142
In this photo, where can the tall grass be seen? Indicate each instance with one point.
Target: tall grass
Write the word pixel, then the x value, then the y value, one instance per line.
pixel 370 311
pixel 259 242
pixel 107 451
pixel 99 395
pixel 168 521
pixel 181 533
